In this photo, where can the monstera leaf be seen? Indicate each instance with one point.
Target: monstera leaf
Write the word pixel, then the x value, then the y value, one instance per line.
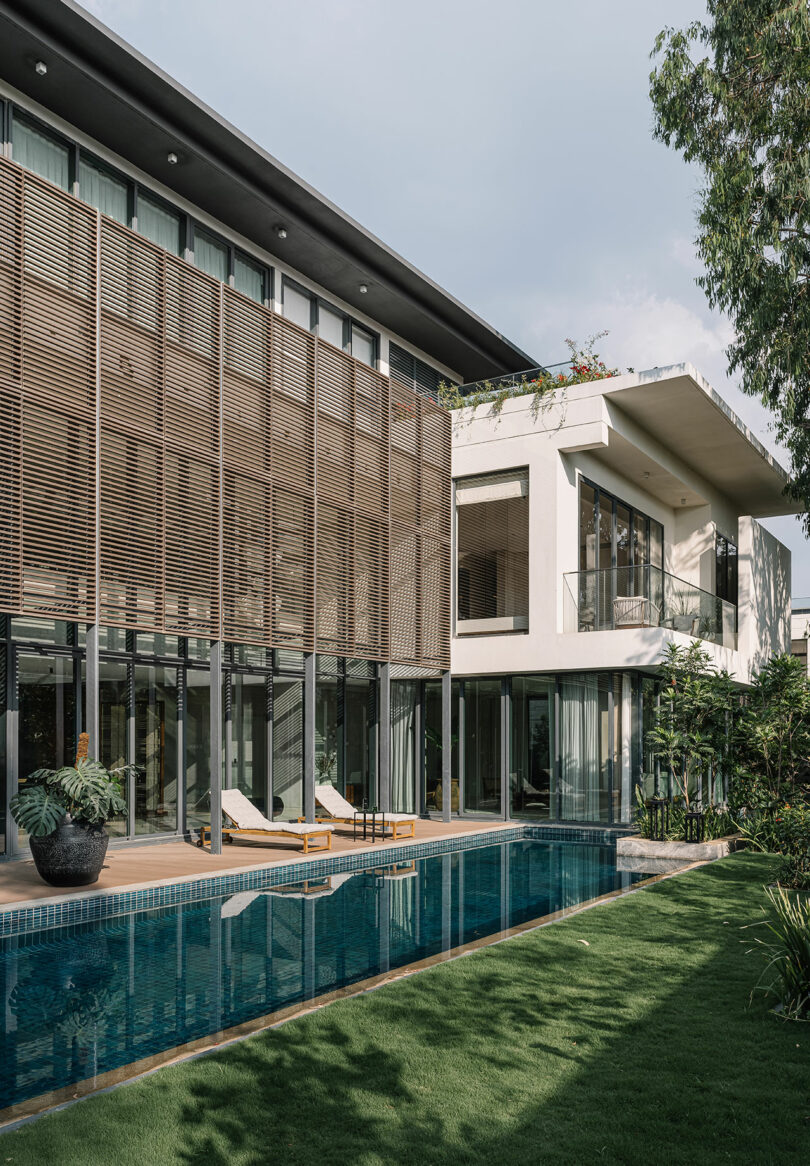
pixel 38 810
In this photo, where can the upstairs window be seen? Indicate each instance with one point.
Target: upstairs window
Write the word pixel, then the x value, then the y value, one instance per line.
pixel 159 223
pixel 211 255
pixel 103 190
pixel 43 153
pixel 492 575
pixel 726 575
pixel 412 373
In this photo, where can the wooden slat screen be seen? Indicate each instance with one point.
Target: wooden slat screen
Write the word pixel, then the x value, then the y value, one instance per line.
pixel 256 483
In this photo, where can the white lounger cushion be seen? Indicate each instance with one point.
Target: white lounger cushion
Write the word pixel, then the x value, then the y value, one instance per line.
pixel 335 804
pixel 246 817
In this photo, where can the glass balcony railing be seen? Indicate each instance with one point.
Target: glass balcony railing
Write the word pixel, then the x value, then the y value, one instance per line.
pixel 644 597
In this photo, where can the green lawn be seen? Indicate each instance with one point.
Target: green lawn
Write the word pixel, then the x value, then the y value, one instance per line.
pixel 639 1047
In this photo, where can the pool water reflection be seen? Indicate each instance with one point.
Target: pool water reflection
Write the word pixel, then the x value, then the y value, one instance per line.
pixel 84 1000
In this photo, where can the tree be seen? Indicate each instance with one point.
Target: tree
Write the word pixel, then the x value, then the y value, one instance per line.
pixel 773 732
pixel 733 96
pixel 691 732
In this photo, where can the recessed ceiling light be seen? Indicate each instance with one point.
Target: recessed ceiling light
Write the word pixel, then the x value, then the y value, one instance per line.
pixel 171 158
pixel 40 68
pixel 363 288
pixel 281 232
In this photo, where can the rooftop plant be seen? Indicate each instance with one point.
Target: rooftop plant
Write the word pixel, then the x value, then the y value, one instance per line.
pixel 585 365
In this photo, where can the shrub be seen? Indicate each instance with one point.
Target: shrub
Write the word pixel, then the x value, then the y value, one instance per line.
pixel 788 954
pixel 793 836
pixel 717 823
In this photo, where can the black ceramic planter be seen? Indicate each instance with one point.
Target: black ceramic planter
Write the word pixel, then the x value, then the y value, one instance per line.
pixel 72 856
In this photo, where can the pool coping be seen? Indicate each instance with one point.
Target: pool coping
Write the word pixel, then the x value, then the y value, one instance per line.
pixel 31 1109
pixel 23 917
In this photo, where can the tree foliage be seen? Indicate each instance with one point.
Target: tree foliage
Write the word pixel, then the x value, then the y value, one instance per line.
pixel 732 94
pixel 773 730
pixel 693 720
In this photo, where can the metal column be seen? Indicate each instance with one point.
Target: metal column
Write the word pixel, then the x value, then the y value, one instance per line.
pixel 309 736
pixel 447 746
pixel 216 747
pixel 91 718
pixel 505 748
pixel 384 783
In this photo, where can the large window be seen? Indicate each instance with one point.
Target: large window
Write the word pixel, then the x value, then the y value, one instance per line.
pixel 726 574
pixel 309 311
pixel 492 580
pixel 531 773
pixel 104 190
pixel 35 148
pixel 482 746
pixel 159 223
pixel 412 373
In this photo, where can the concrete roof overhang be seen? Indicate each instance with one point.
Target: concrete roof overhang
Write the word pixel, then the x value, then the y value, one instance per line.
pixel 101 85
pixel 668 419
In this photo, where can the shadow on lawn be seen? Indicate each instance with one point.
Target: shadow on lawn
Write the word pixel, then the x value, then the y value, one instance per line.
pixel 639 1047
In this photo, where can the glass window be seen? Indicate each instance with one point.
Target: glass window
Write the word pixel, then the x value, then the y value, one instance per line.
pixel 248 278
pixel 328 733
pixel 330 325
pixel 434 793
pixel 587 527
pixel 725 553
pixel 104 191
pixel 37 150
pixel 531 781
pixel 155 749
pixel 493 551
pixel 158 223
pixel 198 747
pixel 605 531
pixel 210 255
pixel 288 749
pixel 584 748
pixel 482 746
pixel 404 707
pixel 49 713
pixel 656 543
pixel 297 306
pixel 362 345
pixel 360 741
pixel 249 704
pixel 113 718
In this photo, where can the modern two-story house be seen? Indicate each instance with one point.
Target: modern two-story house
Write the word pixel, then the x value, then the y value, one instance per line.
pixel 241 541
pixel 593 527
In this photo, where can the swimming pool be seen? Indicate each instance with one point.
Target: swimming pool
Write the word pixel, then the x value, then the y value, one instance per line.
pixel 85 1000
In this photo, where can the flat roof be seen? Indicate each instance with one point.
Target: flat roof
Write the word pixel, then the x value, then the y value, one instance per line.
pixel 681 410
pixel 101 85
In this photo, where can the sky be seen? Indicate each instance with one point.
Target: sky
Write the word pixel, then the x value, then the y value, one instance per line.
pixel 504 149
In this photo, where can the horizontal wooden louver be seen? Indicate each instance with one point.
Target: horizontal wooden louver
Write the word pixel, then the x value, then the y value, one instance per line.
pixel 255 482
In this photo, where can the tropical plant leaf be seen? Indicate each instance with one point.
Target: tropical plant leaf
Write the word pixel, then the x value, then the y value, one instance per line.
pixel 37 810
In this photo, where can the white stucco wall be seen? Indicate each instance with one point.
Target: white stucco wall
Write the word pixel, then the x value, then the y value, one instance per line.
pixel 584 435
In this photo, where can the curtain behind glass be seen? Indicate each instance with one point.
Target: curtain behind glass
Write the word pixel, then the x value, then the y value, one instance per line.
pixel 210 255
pixel 39 152
pixel 160 225
pixel 580 749
pixel 404 698
pixel 101 190
pixel 248 279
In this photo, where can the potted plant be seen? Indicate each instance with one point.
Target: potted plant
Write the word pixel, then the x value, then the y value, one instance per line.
pixel 63 812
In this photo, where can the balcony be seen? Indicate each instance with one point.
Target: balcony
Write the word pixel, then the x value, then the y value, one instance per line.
pixel 621 598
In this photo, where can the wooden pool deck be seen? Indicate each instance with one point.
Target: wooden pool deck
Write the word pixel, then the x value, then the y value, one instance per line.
pixel 164 862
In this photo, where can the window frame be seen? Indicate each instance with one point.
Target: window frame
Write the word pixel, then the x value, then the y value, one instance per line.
pixel 18 113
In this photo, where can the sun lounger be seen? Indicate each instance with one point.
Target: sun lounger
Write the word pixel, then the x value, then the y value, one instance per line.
pixel 246 819
pixel 341 811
